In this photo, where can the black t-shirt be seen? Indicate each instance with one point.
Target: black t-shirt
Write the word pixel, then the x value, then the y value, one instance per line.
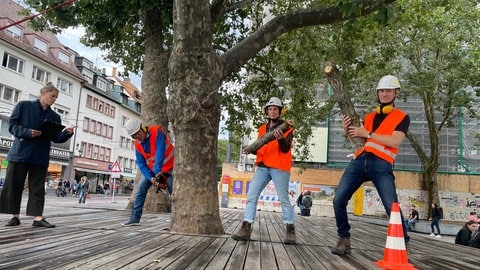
pixel 415 214
pixel 403 126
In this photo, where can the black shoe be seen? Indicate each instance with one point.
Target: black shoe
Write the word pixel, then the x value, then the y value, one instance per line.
pixel 42 223
pixel 13 222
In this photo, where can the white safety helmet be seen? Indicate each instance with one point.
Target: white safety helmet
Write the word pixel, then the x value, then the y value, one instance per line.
pixel 274 101
pixel 133 126
pixel 388 82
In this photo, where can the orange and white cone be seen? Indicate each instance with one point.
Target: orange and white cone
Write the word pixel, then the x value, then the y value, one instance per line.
pixel 395 255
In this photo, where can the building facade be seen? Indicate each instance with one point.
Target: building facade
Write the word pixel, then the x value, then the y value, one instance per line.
pixel 97 104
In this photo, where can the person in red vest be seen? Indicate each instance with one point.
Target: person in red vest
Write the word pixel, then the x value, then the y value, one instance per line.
pixel 384 130
pixel 274 161
pixel 154 157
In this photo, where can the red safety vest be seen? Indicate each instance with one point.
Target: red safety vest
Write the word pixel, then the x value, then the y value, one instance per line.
pixel 387 127
pixel 270 154
pixel 150 157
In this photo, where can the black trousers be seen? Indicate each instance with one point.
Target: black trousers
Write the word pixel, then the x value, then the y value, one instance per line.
pixel 305 212
pixel 11 196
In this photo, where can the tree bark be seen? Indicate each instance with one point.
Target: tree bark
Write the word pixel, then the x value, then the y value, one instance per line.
pixel 341 96
pixel 195 110
pixel 253 147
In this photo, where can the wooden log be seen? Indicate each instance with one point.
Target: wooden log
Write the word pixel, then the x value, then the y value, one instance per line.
pixel 344 102
pixel 253 147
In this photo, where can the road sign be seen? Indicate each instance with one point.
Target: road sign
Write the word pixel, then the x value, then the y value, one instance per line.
pixel 116 167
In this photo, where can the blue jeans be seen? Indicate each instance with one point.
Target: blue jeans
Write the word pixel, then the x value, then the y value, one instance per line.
pixel 410 223
pixel 435 223
pixel 143 185
pixel 281 180
pixel 365 168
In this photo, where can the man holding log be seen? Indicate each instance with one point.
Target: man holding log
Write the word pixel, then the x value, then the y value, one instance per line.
pixel 274 160
pixel 383 131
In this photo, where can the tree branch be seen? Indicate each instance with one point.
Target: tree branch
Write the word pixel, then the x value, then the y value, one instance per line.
pixel 265 35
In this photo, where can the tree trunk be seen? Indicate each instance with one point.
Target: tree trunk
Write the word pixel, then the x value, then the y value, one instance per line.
pixel 195 110
pixel 154 101
pixel 341 96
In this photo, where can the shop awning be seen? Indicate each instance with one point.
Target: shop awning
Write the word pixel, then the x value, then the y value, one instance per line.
pixel 128 175
pixel 91 171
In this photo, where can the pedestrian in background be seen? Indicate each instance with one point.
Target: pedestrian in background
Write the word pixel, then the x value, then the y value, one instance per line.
pixel 435 218
pixel 464 235
pixel 84 186
pixel 307 203
pixel 300 201
pixel 412 218
pixel 274 161
pixel 30 156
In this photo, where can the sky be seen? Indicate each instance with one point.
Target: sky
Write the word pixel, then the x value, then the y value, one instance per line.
pixel 71 38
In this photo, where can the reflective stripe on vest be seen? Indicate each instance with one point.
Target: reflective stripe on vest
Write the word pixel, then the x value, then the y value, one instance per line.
pixel 387 127
pixel 168 157
pixel 270 154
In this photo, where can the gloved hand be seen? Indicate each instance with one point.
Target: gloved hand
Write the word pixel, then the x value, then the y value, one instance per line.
pixel 161 180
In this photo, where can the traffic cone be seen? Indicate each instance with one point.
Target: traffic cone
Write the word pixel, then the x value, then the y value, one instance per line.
pixel 395 255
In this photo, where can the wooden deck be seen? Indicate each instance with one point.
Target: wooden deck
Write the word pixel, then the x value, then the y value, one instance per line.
pixel 90 237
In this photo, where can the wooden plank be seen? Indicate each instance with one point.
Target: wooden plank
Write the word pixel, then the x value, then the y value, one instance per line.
pixel 223 256
pixel 208 255
pixel 92 238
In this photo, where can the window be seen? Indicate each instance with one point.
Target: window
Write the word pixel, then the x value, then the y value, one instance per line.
pixel 101 106
pixel 102 153
pixel 89 150
pixel 14 31
pixel 63 58
pixel 12 62
pixel 98 128
pixel 104 130
pixel 86 121
pixel 95 152
pixel 124 120
pixel 64 85
pixel 64 113
pixel 112 111
pixel 40 45
pixel 102 85
pixel 9 94
pixel 110 132
pixel 4 125
pixel 91 126
pixel 40 74
pixel 107 154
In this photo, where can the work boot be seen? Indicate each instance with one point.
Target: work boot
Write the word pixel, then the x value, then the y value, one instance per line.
pixel 343 246
pixel 244 232
pixel 290 237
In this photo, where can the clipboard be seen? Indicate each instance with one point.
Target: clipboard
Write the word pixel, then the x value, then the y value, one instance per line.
pixel 50 130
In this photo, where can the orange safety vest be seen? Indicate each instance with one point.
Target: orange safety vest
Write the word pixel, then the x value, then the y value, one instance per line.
pixel 150 157
pixel 270 154
pixel 387 127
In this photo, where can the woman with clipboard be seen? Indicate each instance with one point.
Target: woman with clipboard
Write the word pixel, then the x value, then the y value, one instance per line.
pixel 30 155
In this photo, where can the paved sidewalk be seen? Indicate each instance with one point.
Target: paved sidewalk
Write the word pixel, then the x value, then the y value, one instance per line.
pixel 117 202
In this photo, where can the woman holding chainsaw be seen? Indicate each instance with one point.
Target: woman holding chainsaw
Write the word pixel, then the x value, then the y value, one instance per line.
pixel 154 157
pixel 274 160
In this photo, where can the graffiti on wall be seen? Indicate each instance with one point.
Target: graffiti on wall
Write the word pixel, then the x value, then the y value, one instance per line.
pixel 456 206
